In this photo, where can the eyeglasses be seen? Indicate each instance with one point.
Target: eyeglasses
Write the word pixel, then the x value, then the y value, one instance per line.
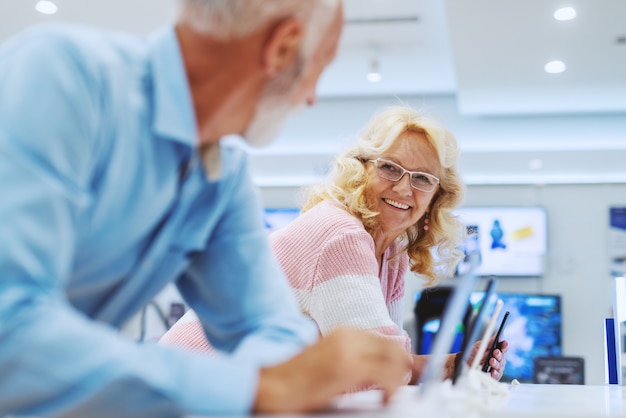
pixel 394 172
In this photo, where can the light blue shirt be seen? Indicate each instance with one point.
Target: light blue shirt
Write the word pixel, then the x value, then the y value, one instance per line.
pixel 103 201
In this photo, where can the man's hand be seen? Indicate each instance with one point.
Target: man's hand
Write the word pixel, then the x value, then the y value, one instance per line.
pixel 345 359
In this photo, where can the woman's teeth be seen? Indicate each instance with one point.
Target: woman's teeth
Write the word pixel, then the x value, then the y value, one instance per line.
pixel 396 204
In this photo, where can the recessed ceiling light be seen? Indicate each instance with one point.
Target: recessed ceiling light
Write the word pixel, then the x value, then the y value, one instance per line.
pixel 555 67
pixel 373 75
pixel 565 13
pixel 535 164
pixel 46 7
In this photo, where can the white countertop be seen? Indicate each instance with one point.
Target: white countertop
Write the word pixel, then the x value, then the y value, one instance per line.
pixel 524 400
pixel 571 401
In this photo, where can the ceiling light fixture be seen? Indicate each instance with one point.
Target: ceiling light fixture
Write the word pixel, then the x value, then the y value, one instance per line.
pixel 373 75
pixel 46 7
pixel 565 13
pixel 555 67
pixel 535 164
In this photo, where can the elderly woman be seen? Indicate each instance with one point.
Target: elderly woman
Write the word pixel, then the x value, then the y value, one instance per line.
pixel 385 207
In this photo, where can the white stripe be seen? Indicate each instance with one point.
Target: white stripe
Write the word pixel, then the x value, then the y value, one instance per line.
pixel 396 311
pixel 351 300
pixel 303 298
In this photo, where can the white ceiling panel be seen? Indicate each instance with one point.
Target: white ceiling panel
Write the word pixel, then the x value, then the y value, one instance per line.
pixel 500 49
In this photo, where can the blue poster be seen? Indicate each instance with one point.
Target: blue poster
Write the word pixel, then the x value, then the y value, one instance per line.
pixel 617 240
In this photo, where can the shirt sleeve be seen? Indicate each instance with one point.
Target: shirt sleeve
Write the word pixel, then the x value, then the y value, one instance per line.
pixel 237 289
pixel 54 360
pixel 346 289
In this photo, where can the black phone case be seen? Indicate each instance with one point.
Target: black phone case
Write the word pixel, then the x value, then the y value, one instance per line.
pixel 496 341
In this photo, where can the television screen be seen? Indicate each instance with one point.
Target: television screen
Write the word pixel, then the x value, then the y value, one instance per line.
pixel 533 329
pixel 276 218
pixel 509 241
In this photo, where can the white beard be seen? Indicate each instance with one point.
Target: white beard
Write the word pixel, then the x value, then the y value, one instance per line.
pixel 271 114
pixel 274 107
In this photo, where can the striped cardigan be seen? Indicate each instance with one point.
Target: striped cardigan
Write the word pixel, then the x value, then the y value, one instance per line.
pixel 330 261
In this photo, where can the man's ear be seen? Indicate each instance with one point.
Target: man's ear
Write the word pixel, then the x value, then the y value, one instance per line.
pixel 282 46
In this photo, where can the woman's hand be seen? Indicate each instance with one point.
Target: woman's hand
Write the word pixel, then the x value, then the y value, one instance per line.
pixel 497 362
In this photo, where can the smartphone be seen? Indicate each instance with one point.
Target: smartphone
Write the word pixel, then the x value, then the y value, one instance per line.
pixel 496 341
pixel 472 331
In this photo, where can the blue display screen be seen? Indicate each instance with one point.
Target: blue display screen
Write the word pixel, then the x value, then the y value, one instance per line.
pixel 533 330
pixel 276 218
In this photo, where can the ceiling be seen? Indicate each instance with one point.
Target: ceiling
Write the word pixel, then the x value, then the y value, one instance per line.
pixel 488 55
pixel 487 52
pixel 484 51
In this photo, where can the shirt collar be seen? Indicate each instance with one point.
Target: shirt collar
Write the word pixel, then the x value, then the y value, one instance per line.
pixel 174 116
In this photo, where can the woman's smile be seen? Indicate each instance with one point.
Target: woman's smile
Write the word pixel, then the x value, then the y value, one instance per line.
pixel 396 204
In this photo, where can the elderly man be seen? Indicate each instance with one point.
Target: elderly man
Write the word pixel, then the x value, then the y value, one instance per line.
pixel 114 184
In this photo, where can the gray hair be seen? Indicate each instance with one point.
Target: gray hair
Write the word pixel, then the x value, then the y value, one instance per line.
pixel 228 19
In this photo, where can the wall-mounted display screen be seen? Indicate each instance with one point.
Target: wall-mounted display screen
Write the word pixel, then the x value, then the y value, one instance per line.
pixel 533 330
pixel 509 241
pixel 276 218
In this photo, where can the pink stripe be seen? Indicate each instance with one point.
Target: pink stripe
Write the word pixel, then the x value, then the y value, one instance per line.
pixel 188 336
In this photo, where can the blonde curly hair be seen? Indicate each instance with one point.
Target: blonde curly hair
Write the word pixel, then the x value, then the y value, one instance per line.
pixel 348 182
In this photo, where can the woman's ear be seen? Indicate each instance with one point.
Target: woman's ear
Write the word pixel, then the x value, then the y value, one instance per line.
pixel 282 46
